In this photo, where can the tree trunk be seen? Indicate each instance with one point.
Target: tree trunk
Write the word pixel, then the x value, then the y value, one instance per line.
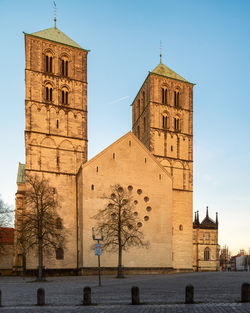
pixel 119 269
pixel 40 261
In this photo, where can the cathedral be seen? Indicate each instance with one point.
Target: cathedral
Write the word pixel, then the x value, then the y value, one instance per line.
pixel 154 161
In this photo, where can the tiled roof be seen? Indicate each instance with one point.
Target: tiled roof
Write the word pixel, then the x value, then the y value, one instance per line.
pixel 6 235
pixel 54 34
pixel 163 70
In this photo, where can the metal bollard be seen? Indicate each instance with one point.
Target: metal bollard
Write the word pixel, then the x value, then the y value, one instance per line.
pixel 245 292
pixel 189 299
pixel 87 296
pixel 135 294
pixel 40 296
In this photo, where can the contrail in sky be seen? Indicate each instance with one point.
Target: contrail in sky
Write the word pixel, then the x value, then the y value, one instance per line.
pixel 118 100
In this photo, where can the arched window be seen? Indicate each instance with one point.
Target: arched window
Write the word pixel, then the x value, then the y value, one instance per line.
pixel 143 99
pixel 64 66
pixel 181 227
pixel 48 93
pixel 144 124
pixel 138 108
pixel 65 96
pixel 164 121
pixel 59 254
pixel 176 98
pixel 138 131
pixel 206 254
pixel 58 223
pixel 48 62
pixel 177 123
pixel 164 96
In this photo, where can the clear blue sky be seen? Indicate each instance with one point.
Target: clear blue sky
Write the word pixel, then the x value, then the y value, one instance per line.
pixel 206 42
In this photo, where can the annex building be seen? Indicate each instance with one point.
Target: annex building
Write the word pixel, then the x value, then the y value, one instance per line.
pixel 154 161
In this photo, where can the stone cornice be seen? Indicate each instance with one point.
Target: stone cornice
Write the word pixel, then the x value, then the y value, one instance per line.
pixel 56 76
pixel 67 108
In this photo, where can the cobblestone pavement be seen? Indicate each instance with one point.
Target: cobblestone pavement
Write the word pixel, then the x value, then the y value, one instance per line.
pixel 213 292
pixel 156 308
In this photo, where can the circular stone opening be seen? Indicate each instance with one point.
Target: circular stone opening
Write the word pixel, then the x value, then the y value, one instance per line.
pixel 139 224
pixel 148 208
pixel 146 199
pixel 120 189
pixel 130 188
pixel 135 202
pixel 135 213
pixel 146 218
pixel 139 191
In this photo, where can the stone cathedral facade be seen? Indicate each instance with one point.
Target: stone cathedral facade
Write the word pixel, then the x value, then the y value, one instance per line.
pixel 154 161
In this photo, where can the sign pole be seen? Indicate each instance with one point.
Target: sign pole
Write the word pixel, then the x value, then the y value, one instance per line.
pixel 99 267
pixel 98 252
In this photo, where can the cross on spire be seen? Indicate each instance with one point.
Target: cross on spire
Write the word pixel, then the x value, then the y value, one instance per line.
pixel 54 7
pixel 160 51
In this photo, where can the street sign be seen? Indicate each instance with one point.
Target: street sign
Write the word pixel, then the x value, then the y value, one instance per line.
pixel 98 249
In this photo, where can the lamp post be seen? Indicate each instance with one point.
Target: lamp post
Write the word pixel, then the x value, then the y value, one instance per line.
pixel 98 251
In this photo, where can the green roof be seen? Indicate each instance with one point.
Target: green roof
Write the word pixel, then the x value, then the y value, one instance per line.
pixel 163 70
pixel 54 34
pixel 21 173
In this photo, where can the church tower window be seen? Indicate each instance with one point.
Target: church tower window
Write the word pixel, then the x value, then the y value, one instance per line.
pixel 138 131
pixel 48 63
pixel 177 123
pixel 143 99
pixel 139 108
pixel 164 96
pixel 64 67
pixel 207 254
pixel 164 121
pixel 49 93
pixel 65 96
pixel 176 98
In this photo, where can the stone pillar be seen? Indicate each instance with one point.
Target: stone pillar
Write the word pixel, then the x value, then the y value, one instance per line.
pixel 245 292
pixel 87 296
pixel 135 294
pixel 189 294
pixel 40 296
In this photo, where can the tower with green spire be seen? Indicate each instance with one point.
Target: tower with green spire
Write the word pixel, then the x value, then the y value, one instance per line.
pixel 162 114
pixel 56 122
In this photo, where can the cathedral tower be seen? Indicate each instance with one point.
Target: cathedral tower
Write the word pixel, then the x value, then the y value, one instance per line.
pixel 56 120
pixel 163 121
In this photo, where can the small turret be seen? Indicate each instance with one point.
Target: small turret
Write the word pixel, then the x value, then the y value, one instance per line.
pixel 198 220
pixel 207 213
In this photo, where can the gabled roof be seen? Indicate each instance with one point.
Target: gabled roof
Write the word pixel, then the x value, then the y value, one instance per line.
pixel 54 34
pixel 21 174
pixel 207 222
pixel 6 235
pixel 139 143
pixel 162 70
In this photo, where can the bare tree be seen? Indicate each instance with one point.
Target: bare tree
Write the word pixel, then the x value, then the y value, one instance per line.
pixel 40 227
pixel 225 256
pixel 5 221
pixel 119 224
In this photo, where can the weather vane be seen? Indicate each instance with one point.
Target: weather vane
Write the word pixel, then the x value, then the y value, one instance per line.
pixel 54 7
pixel 160 51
